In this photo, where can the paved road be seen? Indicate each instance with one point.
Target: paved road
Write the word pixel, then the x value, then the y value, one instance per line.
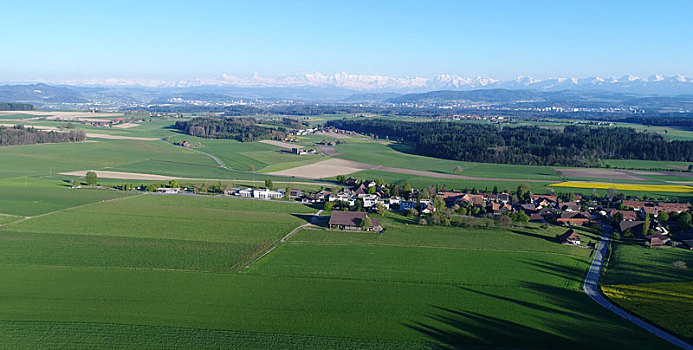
pixel 592 289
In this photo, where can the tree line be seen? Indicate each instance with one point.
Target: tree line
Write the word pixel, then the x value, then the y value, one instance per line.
pixel 529 145
pixel 11 106
pixel 19 135
pixel 241 129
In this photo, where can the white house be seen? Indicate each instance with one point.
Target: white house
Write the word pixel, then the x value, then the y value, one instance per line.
pixel 246 192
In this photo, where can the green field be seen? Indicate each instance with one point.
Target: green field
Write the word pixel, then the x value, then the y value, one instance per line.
pixel 153 271
pixel 646 282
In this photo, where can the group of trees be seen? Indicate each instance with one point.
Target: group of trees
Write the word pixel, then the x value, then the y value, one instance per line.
pixel 11 106
pixel 241 129
pixel 19 135
pixel 573 146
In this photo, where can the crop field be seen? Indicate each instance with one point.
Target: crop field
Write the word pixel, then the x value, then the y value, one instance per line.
pixel 27 196
pixel 656 284
pixel 158 271
pixel 393 155
pixel 626 187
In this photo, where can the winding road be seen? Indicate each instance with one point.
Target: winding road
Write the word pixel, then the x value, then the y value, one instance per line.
pixel 592 289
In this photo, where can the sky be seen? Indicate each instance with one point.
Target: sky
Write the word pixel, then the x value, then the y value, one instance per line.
pixel 48 40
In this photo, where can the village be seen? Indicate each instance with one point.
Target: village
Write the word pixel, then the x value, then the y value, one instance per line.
pixel 653 223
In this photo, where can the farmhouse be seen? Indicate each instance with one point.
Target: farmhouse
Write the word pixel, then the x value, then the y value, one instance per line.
pixel 570 237
pixel 657 240
pixel 573 218
pixel 351 220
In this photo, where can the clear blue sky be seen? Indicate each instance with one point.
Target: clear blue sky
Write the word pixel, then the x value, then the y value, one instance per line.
pixel 187 39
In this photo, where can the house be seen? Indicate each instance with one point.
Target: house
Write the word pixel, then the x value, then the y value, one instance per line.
pixel 570 206
pixel 657 240
pixel 351 220
pixel 573 218
pixel 536 217
pixel 628 215
pixel 634 226
pixel 245 192
pixel 167 190
pixel 543 200
pixel 569 237
pixel 267 194
pixel 351 182
pixel 295 193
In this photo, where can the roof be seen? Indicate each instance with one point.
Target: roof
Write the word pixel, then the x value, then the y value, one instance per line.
pixel 633 225
pixel 569 236
pixel 657 240
pixel 350 218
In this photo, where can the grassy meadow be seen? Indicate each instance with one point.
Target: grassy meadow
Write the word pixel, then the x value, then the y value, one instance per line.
pixel 648 283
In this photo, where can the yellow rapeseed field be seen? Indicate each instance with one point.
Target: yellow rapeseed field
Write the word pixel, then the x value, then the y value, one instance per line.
pixel 626 187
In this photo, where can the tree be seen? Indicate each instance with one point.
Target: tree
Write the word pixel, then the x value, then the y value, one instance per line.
pixel 75 183
pixel 423 222
pixel 380 209
pixel 411 212
pixel 379 183
pixel 495 190
pixel 173 184
pixel 366 223
pixel 406 189
pixel 628 233
pixel 616 236
pixel 341 179
pixel 251 168
pixel 327 205
pixel 522 217
pixel 91 178
pixel 646 225
pixel 683 222
pixel 458 169
pixel 372 190
pixel 523 192
pixel 358 205
pixel 269 184
pixel 616 218
pixel 438 203
pixel 504 221
pixel 663 216
pixel 151 188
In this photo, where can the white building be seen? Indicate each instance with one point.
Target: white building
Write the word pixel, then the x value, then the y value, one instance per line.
pixel 168 190
pixel 267 194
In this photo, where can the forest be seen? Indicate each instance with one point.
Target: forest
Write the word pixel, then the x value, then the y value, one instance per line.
pixel 573 146
pixel 241 129
pixel 20 135
pixel 11 106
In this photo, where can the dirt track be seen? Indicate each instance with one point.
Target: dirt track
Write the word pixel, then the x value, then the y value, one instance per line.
pixel 280 144
pixel 335 166
pixel 119 137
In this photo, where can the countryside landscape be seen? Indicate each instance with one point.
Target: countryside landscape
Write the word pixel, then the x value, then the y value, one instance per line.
pixel 342 211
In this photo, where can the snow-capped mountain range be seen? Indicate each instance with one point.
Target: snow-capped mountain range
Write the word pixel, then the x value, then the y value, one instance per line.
pixel 655 84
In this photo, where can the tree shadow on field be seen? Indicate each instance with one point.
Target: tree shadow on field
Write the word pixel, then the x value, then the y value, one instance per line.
pixel 549 317
pixel 535 235
pixel 456 329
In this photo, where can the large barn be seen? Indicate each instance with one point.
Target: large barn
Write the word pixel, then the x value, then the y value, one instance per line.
pixel 351 220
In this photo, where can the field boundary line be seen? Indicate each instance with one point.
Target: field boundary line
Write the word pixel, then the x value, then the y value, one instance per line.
pixel 591 287
pixel 25 218
pixel 280 242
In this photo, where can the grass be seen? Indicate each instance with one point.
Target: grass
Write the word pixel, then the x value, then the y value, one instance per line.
pixel 27 196
pixel 626 187
pixel 395 155
pixel 645 281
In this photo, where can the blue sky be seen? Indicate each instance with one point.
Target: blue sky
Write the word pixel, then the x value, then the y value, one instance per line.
pixel 187 39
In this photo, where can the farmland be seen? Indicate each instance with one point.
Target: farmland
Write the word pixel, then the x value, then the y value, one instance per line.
pixel 116 267
pixel 648 283
pixel 100 268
